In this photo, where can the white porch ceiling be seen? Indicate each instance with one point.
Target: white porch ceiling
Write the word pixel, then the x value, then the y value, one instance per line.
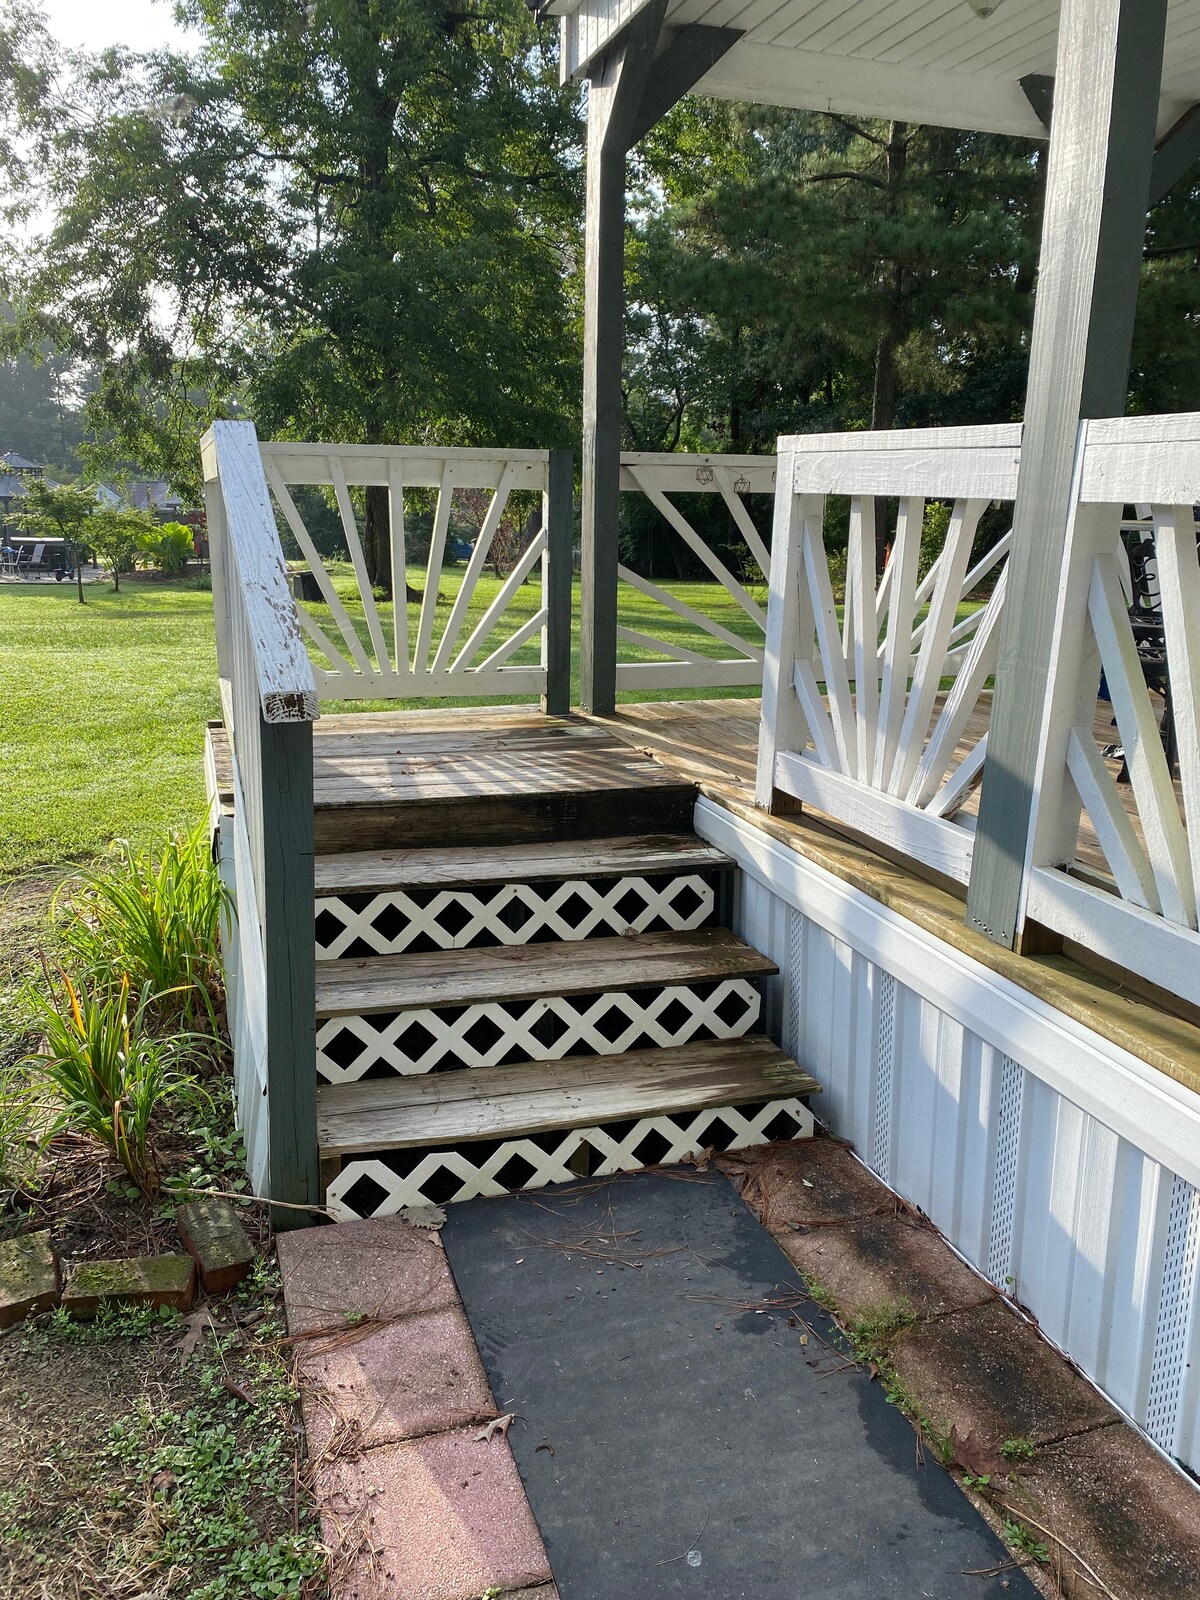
pixel 931 61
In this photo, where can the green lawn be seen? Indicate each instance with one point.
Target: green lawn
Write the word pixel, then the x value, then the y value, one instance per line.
pixel 102 728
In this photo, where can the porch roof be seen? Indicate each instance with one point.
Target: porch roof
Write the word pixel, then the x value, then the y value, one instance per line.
pixel 928 61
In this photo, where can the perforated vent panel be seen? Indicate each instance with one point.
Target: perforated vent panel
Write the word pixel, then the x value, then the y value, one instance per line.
pixel 1004 1186
pixel 1174 1306
pixel 881 1141
pixel 793 1019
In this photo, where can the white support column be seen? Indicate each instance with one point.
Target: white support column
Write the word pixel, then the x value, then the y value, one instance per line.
pixel 1098 186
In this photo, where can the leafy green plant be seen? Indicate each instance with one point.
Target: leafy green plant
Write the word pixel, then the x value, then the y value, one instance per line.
pixel 167 546
pixel 111 1322
pixel 1018 1449
pixel 106 1068
pixel 154 921
pixel 1020 1538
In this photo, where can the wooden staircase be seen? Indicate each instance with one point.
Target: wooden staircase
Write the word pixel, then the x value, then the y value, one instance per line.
pixel 554 999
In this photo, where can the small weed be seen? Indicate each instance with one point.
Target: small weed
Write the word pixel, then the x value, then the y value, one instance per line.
pixel 1019 1449
pixel 1020 1538
pixel 980 1482
pixel 869 1335
pixel 111 1322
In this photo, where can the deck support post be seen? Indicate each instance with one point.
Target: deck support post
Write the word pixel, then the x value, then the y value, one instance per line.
pixel 560 528
pixel 1097 193
pixel 629 89
pixel 286 897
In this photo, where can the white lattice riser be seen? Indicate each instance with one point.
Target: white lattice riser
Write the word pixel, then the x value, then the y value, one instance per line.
pixel 394 920
pixel 687 1135
pixel 645 1024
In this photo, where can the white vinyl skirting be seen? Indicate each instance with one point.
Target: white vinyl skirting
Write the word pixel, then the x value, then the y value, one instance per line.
pixel 1063 1168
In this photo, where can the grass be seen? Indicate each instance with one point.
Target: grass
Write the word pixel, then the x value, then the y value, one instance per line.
pixel 104 713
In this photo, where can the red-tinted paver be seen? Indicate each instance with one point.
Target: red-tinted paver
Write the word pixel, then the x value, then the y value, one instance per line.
pixel 381 1267
pixel 885 1261
pixel 439 1518
pixel 421 1374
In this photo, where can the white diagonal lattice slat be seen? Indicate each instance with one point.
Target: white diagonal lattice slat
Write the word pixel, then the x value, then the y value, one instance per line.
pixel 548 908
pixel 586 1020
pixel 686 1134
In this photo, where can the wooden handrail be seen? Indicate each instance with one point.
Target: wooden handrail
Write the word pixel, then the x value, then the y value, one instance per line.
pixel 287 689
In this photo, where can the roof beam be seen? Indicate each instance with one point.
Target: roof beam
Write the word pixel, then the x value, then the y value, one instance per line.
pixel 1178 151
pixel 692 52
pixel 1039 91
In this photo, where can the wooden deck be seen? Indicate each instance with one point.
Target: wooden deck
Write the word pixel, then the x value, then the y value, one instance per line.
pixel 715 743
pixel 464 776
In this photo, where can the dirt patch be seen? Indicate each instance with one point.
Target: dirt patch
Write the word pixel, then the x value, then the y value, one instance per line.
pixel 127 1473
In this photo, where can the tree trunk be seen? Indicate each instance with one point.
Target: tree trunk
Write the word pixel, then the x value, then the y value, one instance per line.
pixel 377 542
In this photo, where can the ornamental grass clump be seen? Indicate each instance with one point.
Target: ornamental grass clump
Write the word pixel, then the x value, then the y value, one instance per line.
pixel 154 921
pixel 106 1072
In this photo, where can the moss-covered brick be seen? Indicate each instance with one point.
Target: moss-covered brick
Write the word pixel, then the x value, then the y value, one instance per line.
pixel 216 1241
pixel 142 1280
pixel 28 1277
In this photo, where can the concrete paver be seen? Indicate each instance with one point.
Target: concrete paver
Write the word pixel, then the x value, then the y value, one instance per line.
pixel 421 1374
pixel 885 1261
pixel 439 1518
pixel 987 1371
pixel 378 1268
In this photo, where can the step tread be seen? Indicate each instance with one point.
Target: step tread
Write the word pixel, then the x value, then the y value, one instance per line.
pixel 438 978
pixel 540 1096
pixel 372 871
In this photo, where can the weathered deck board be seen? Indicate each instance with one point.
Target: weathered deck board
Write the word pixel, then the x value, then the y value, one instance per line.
pixel 476 976
pixel 367 871
pixel 538 1096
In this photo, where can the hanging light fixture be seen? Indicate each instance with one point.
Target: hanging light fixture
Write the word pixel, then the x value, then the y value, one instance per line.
pixel 983 8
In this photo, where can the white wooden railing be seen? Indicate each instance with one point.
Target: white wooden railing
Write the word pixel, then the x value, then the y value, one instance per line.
pixel 855 721
pixel 1148 828
pixel 740 661
pixel 450 641
pixel 877 718
pixel 269 701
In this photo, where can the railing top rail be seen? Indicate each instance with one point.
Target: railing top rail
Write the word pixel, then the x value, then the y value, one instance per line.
pixel 421 466
pixel 975 462
pixel 681 473
pixel 1141 460
pixel 287 689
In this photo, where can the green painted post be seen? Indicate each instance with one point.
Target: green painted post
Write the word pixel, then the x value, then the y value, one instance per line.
pixel 289 961
pixel 560 541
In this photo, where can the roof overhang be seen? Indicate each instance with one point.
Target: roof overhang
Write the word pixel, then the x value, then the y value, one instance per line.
pixel 924 61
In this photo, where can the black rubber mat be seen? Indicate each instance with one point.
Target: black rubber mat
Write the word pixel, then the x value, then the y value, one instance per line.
pixel 674 1442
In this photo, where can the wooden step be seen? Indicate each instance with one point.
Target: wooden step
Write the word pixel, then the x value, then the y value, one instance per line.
pixel 444 978
pixel 540 1096
pixel 554 781
pixel 475 866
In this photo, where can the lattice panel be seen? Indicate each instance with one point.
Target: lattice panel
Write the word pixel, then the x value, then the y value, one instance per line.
pixel 511 913
pixel 378 1186
pixel 546 1029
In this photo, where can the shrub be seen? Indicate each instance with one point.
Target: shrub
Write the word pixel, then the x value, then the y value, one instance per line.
pixel 155 923
pixel 168 547
pixel 105 1068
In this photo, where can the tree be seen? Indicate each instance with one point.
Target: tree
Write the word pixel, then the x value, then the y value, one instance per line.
pixel 54 511
pixel 352 221
pixel 116 535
